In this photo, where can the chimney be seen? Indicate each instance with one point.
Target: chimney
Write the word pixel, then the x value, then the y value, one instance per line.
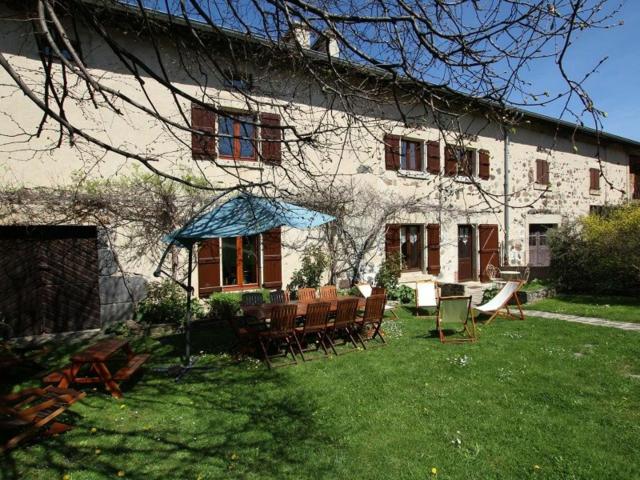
pixel 327 43
pixel 299 34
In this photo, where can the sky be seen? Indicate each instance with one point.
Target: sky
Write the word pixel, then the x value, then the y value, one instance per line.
pixel 615 87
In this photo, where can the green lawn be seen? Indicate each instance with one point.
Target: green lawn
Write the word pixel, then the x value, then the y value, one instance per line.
pixel 622 309
pixel 538 399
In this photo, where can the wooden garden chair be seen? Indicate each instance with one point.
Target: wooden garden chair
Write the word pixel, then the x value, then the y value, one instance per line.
pixel 426 295
pixel 315 325
pixel 367 290
pixel 252 298
pixel 456 311
pixel 279 296
pixel 372 318
pixel 344 323
pixel 281 332
pixel 499 305
pixel 34 410
pixel 306 294
pixel 329 292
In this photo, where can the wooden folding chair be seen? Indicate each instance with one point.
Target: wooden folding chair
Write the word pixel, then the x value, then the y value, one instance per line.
pixel 456 311
pixel 345 322
pixel 426 295
pixel 387 308
pixel 281 332
pixel 499 305
pixel 329 292
pixel 32 411
pixel 372 317
pixel 306 294
pixel 315 324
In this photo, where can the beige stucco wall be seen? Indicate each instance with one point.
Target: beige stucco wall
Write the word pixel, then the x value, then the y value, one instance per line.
pixel 352 150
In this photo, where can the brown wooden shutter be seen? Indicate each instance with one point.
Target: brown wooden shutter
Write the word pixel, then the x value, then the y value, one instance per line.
pixel 272 258
pixel 392 152
pixel 450 161
pixel 209 267
pixel 542 172
pixel 433 156
pixel 484 165
pixel 203 146
pixel 271 135
pixel 392 239
pixel 488 240
pixel 594 179
pixel 433 248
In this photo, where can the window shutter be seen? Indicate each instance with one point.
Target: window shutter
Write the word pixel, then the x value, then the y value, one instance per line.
pixel 272 258
pixel 392 239
pixel 594 179
pixel 450 161
pixel 546 172
pixel 484 167
pixel 433 156
pixel 209 267
pixel 203 146
pixel 392 152
pixel 433 248
pixel 271 135
pixel 542 172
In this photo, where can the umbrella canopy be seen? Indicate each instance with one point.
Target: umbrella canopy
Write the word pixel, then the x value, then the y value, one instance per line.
pixel 246 215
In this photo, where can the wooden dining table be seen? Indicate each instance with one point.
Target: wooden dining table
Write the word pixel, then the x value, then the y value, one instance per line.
pixel 263 312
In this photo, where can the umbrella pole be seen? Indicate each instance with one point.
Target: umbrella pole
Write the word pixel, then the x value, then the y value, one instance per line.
pixel 187 331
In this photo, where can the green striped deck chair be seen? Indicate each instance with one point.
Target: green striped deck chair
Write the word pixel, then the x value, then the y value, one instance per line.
pixel 454 313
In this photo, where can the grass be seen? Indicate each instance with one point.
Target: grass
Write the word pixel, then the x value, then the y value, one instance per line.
pixel 539 399
pixel 621 309
pixel 534 285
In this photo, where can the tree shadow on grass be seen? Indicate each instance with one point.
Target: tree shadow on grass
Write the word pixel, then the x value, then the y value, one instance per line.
pixel 234 421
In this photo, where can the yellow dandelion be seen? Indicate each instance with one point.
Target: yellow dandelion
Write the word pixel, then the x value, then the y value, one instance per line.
pixel 121 473
pixel 434 471
pixel 94 430
pixel 536 467
pixel 234 456
pixel 66 476
pixel 98 451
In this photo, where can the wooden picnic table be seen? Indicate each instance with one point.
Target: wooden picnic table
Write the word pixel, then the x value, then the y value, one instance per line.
pixel 263 312
pixel 95 357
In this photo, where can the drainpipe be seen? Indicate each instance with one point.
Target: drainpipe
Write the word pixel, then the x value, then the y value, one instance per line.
pixel 506 195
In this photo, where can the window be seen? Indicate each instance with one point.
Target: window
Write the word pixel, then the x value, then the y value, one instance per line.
pixel 460 161
pixel 238 81
pixel 240 261
pixel 236 137
pixel 594 179
pixel 47 51
pixel 542 172
pixel 411 246
pixel 634 170
pixel 411 155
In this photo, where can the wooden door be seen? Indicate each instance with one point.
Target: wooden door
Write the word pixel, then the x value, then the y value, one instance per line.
pixel 539 252
pixel 488 243
pixel 465 253
pixel 49 279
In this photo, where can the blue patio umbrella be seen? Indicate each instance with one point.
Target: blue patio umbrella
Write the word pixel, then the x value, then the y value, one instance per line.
pixel 243 215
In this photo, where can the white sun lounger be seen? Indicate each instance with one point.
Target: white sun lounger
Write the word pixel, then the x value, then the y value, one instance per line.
pixel 499 305
pixel 426 295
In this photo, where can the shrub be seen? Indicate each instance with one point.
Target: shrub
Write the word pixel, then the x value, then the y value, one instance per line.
pixel 166 302
pixel 402 293
pixel 389 272
pixel 313 264
pixel 223 306
pixel 598 254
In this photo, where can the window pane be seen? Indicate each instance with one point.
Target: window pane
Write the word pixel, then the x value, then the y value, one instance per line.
pixel 250 259
pixel 410 241
pixel 229 261
pixel 226 146
pixel 225 125
pixel 246 148
pixel 403 156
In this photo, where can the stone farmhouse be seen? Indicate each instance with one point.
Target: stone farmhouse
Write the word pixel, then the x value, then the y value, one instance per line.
pixel 490 201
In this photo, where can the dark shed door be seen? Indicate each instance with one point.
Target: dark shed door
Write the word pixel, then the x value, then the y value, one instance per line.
pixel 489 250
pixel 49 279
pixel 539 251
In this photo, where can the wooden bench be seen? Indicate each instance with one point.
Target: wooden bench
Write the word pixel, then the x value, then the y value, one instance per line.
pixel 132 366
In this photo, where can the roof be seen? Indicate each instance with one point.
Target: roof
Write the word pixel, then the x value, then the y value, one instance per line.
pixel 258 40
